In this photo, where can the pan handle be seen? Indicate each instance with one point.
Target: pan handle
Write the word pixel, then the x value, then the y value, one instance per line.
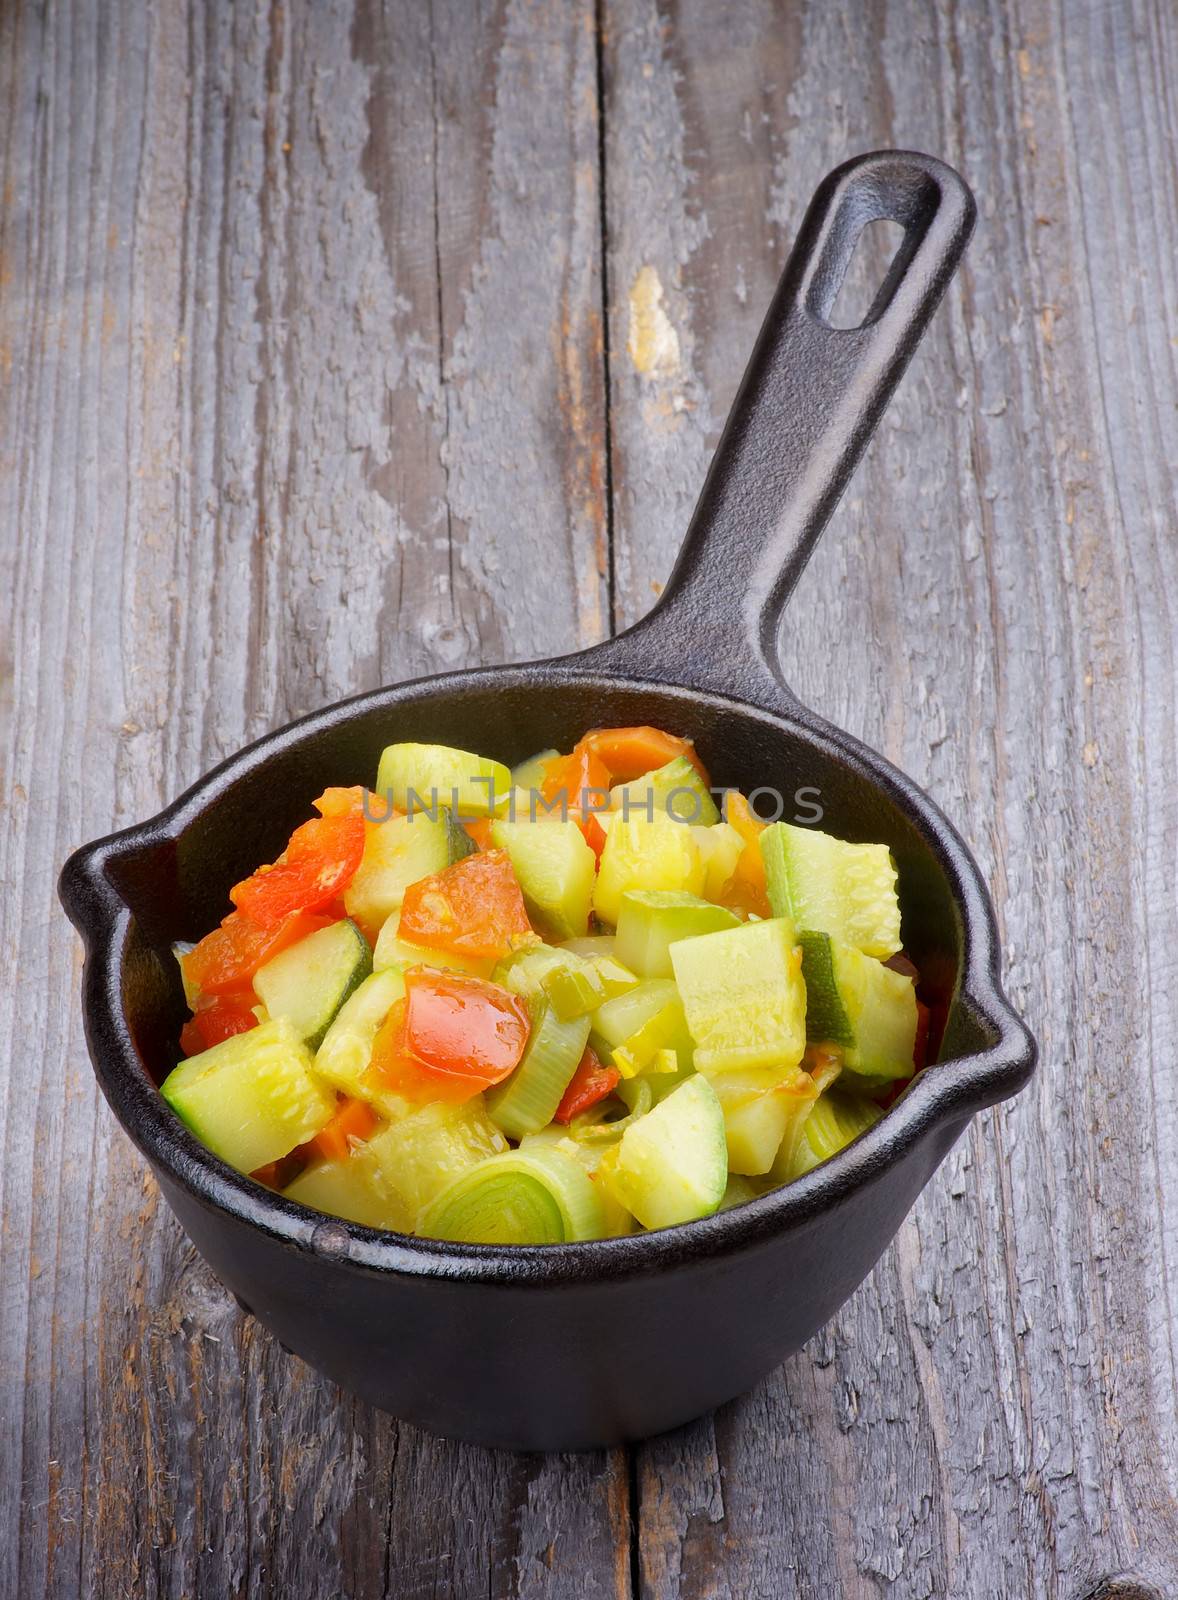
pixel 809 401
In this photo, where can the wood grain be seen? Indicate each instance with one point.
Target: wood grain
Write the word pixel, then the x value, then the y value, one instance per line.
pixel 342 342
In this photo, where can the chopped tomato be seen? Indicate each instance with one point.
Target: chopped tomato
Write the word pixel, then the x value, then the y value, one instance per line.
pixel 904 965
pixel 630 753
pixel 227 958
pixel 313 870
pixel 277 1174
pixel 450 1037
pixel 474 908
pixel 220 1019
pixel 353 1121
pixel 580 784
pixel 191 1039
pixel 479 829
pixel 746 891
pixel 590 1083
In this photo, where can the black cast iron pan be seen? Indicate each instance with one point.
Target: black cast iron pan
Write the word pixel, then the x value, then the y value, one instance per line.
pixel 588 1344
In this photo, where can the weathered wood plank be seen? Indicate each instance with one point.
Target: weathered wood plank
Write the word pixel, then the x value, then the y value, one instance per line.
pixel 301 341
pixel 995 1412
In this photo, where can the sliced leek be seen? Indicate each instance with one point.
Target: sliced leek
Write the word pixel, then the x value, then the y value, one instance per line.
pixel 537 1196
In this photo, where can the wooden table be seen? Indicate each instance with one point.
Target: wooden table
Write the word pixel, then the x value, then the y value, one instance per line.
pixel 341 344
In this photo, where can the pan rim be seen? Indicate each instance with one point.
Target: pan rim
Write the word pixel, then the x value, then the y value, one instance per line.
pixel 946 1093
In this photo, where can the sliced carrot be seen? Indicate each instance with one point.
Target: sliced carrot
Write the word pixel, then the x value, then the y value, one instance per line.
pixel 479 829
pixel 576 788
pixel 353 1120
pixel 745 891
pixel 633 752
pixel 474 908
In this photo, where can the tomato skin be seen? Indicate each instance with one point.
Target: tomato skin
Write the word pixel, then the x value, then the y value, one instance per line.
pixel 226 959
pixel 580 783
pixel 314 869
pixel 451 1037
pixel 590 1083
pixel 474 908
pixel 479 830
pixel 631 753
pixel 216 1020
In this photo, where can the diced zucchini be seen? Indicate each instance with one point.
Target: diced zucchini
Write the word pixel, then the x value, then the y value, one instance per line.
pixel 393 951
pixel 537 1196
pixel 651 920
pixel 672 1164
pixel 856 1002
pixel 744 996
pixel 253 1098
pixel 528 1099
pixel 721 848
pixel 763 1108
pixel 530 774
pixel 645 855
pixel 398 852
pixel 387 1180
pixel 436 773
pixel 308 982
pixel 556 871
pixel 593 946
pixel 829 886
pixel 675 790
pixel 344 1056
pixel 620 1018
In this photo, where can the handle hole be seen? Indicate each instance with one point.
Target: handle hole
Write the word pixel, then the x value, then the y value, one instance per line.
pixel 871 261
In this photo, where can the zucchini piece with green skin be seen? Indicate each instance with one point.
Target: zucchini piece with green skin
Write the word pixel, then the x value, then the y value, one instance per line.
pixel 528 1099
pixel 344 1056
pixel 859 1004
pixel 424 775
pixel 639 854
pixel 397 852
pixel 252 1099
pixel 308 982
pixel 556 871
pixel 675 790
pixel 534 1196
pixel 743 993
pixel 530 774
pixel 828 885
pixel 672 1164
pixel 386 1181
pixel 652 920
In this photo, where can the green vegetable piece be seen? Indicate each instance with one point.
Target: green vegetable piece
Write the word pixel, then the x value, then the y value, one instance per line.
pixel 826 885
pixel 720 848
pixel 308 982
pixel 856 1002
pixel 556 871
pixel 528 1099
pixel 344 1056
pixel 253 1098
pixel 672 1164
pixel 574 992
pixel 744 997
pixel 426 775
pixel 640 854
pixel 397 852
pixel 652 920
pixel 615 978
pixel 675 790
pixel 387 1180
pixel 530 774
pixel 763 1108
pixel 836 1120
pixel 533 1196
